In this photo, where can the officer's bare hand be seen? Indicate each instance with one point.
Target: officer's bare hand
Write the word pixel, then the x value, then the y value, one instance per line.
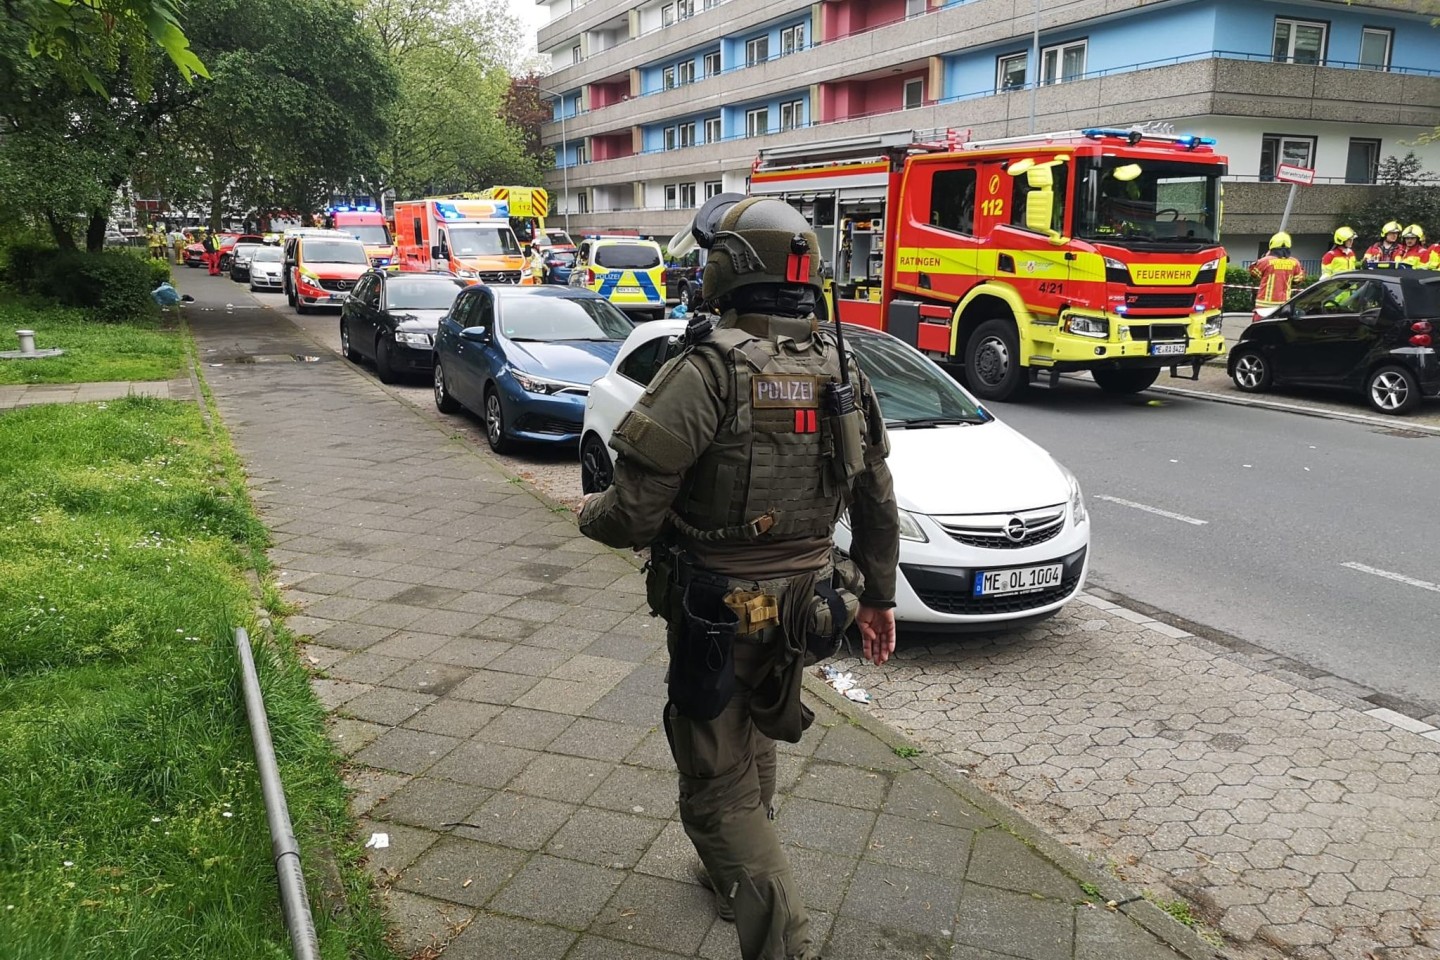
pixel 877 630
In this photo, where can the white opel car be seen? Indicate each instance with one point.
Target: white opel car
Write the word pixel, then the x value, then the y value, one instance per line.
pixel 994 532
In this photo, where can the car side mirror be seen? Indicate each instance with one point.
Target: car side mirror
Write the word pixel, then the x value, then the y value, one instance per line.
pixel 478 334
pixel 435 252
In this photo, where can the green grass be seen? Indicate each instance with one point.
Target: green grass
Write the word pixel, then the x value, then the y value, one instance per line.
pixel 132 820
pixel 94 352
pixel 908 753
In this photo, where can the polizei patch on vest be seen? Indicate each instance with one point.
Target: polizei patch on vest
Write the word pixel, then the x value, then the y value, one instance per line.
pixel 773 391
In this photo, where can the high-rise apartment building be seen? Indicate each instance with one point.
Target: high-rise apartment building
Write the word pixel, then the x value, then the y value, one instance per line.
pixel 661 103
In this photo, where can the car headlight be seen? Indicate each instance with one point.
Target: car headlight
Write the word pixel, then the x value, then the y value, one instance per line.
pixel 412 338
pixel 533 384
pixel 910 528
pixel 466 273
pixel 1078 513
pixel 310 278
pixel 1210 265
pixel 1213 327
pixel 1090 327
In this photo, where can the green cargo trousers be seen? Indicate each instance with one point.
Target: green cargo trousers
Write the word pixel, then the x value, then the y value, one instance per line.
pixel 727 779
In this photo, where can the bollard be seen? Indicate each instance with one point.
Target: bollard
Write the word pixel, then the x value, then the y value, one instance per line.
pixel 27 342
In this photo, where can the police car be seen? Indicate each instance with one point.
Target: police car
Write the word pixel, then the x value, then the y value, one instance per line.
pixel 627 271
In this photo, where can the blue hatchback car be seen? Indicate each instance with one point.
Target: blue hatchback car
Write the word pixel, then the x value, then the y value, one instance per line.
pixel 524 358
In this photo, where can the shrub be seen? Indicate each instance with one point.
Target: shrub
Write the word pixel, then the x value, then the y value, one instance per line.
pixel 114 286
pixel 159 271
pixel 25 261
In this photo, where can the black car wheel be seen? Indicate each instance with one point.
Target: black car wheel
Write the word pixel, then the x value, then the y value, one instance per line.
pixel 992 362
pixel 688 297
pixel 444 401
pixel 1124 381
pixel 1251 371
pixel 346 347
pixel 290 295
pixel 495 433
pixel 383 369
pixel 1392 390
pixel 300 306
pixel 596 473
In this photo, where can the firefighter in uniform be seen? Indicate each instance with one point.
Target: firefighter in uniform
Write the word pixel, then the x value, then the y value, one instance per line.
pixel 733 468
pixel 1276 272
pixel 1413 251
pixel 1387 248
pixel 1340 257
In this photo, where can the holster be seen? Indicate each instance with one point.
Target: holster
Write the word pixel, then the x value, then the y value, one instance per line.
pixel 832 610
pixel 702 665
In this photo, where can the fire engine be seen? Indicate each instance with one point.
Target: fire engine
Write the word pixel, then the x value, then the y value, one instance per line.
pixel 1020 259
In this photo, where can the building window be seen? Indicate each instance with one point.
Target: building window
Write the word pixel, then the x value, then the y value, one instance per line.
pixel 1362 162
pixel 687 134
pixel 792 114
pixel 913 8
pixel 792 39
pixel 669 78
pixel 685 71
pixel 712 130
pixel 687 196
pixel 712 63
pixel 1299 41
pixel 672 138
pixel 952 201
pixel 1010 72
pixel 757 122
pixel 582 202
pixel 757 51
pixel 684 9
pixel 1375 48
pixel 914 93
pixel 667 14
pixel 580 153
pixel 1277 148
pixel 1062 63
pixel 714 188
pixel 672 196
pixel 575 54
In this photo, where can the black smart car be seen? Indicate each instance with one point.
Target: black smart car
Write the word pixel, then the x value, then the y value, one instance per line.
pixel 391 317
pixel 1372 331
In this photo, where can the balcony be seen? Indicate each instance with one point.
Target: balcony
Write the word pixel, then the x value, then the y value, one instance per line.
pixel 1255 208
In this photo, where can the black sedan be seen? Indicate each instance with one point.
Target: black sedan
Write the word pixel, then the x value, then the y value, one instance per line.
pixel 1368 331
pixel 391 316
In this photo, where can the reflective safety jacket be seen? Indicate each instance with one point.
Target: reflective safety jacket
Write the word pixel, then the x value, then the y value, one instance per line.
pixel 1383 252
pixel 1418 256
pixel 1337 260
pixel 1276 275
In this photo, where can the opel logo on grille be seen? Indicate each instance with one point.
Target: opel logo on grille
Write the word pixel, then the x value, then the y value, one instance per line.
pixel 1015 529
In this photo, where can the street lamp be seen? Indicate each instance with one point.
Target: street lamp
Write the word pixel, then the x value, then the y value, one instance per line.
pixel 564 167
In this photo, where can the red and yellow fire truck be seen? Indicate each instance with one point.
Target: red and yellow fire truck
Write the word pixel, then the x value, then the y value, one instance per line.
pixel 1094 250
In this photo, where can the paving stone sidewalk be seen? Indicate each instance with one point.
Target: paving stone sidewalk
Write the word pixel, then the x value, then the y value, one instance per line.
pixel 25 395
pixel 496 683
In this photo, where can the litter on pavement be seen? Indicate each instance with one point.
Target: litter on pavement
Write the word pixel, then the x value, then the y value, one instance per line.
pixel 844 684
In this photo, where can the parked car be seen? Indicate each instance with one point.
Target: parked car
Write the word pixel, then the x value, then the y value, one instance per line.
pixel 993 530
pixel 628 271
pixel 559 261
pixel 193 255
pixel 683 280
pixel 1369 331
pixel 265 268
pixel 323 270
pixel 391 318
pixel 239 261
pixel 228 243
pixel 524 357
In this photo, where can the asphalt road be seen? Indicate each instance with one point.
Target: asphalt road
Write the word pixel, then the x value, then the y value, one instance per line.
pixel 1310 538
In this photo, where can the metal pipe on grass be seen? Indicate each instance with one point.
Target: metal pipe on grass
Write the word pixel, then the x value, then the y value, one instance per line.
pixel 294 901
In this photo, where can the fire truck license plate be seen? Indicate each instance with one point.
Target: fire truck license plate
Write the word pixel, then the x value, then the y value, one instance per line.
pixel 1166 349
pixel 1020 580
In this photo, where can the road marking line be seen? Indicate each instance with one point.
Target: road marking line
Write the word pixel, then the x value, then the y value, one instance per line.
pixel 1397 577
pixel 1155 510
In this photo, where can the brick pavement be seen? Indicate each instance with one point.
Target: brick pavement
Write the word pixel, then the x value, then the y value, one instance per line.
pixel 24 395
pixel 1300 821
pixel 497 687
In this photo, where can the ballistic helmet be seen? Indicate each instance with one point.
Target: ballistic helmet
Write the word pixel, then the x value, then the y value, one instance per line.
pixel 1414 231
pixel 1281 239
pixel 1343 236
pixel 763 256
pixel 1389 228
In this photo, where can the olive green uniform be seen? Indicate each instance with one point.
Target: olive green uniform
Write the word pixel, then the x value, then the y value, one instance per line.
pixel 730 465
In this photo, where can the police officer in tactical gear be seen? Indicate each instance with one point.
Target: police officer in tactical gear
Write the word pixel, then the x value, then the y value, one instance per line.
pixel 733 469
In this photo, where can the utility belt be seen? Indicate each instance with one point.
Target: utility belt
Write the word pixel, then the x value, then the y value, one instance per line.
pixel 713 611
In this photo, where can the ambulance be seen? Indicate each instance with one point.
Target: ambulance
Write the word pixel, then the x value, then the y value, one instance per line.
pixel 367 225
pixel 471 238
pixel 529 206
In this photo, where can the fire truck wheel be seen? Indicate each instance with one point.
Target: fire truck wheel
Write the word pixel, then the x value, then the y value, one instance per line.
pixel 1124 381
pixel 992 362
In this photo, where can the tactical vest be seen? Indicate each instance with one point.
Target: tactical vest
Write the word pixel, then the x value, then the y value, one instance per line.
pixel 771 456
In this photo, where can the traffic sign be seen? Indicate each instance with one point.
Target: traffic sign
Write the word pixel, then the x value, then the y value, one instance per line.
pixel 1289 173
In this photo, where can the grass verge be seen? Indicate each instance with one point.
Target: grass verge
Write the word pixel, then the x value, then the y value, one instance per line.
pixel 151 349
pixel 133 820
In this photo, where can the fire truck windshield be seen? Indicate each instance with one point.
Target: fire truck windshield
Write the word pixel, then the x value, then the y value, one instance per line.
pixel 1126 201
pixel 376 236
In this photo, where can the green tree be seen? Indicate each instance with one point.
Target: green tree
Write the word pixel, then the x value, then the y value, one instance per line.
pixel 81 34
pixel 1405 192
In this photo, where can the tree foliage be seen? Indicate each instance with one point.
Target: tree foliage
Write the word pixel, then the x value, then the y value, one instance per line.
pixel 79 34
pixel 1406 193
